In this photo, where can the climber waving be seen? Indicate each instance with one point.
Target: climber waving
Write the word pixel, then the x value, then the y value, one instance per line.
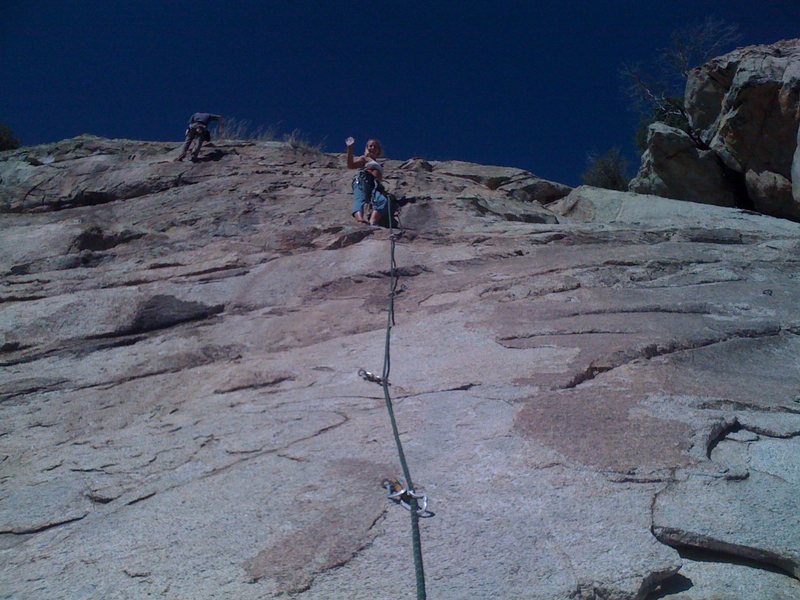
pixel 367 188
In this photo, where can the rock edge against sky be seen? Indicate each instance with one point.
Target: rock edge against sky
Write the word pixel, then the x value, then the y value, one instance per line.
pixel 599 391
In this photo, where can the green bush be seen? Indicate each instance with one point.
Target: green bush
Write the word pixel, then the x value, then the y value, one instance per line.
pixel 608 170
pixel 7 139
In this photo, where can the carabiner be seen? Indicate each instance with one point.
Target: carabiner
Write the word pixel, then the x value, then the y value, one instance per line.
pixel 397 493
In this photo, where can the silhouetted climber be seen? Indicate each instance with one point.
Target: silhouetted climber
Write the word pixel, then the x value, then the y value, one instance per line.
pixel 198 130
pixel 367 188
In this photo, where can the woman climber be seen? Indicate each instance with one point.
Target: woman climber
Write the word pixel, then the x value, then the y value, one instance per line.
pixel 367 188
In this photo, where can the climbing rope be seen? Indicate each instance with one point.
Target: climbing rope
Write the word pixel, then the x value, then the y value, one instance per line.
pixel 398 492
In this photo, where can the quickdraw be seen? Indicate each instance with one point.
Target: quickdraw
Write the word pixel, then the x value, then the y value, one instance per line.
pixel 367 376
pixel 398 493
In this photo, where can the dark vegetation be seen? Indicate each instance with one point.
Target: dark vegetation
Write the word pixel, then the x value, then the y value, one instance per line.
pixel 656 90
pixel 608 170
pixel 7 139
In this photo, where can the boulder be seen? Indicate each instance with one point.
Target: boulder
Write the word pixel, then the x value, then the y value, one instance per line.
pixel 530 188
pixel 746 105
pixel 745 109
pixel 771 194
pixel 517 183
pixel 673 167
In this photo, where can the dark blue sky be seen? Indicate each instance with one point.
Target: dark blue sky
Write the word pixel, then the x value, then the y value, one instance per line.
pixel 526 84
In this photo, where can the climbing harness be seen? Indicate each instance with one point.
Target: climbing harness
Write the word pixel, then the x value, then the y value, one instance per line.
pixel 364 178
pixel 375 193
pixel 403 494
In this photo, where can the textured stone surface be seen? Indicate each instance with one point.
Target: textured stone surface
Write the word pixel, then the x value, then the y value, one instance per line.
pixel 720 577
pixel 731 514
pixel 181 414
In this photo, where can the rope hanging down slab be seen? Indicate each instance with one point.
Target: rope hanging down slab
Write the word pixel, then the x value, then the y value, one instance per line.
pixel 408 497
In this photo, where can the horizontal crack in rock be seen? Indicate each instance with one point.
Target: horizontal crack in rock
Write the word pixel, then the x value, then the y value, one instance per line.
pixel 704 545
pixel 140 498
pixel 651 351
pixel 254 386
pixel 27 531
pixel 77 348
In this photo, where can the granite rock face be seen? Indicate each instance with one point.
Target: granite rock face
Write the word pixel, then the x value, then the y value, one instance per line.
pixel 598 391
pixel 796 171
pixel 745 106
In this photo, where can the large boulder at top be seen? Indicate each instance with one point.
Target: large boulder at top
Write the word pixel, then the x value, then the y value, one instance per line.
pixel 745 106
pixel 600 396
pixel 517 183
pixel 674 167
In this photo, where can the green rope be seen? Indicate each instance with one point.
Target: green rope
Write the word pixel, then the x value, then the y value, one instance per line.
pixel 414 506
